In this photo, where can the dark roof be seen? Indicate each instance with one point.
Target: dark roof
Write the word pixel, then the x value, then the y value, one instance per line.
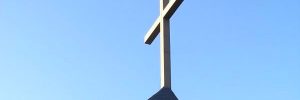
pixel 164 94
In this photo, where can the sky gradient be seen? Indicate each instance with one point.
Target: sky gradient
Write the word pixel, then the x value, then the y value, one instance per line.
pixel 94 50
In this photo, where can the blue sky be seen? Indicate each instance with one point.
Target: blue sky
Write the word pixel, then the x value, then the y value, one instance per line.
pixel 94 50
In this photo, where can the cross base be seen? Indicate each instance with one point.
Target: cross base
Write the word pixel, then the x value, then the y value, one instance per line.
pixel 164 94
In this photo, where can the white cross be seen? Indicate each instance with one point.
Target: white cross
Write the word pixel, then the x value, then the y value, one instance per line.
pixel 162 26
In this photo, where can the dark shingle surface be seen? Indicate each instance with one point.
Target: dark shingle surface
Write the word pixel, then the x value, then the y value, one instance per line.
pixel 164 94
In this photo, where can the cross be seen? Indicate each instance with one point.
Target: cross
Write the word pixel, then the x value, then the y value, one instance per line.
pixel 162 26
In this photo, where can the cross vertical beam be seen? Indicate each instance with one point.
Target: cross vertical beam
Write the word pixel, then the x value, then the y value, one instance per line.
pixel 165 57
pixel 162 26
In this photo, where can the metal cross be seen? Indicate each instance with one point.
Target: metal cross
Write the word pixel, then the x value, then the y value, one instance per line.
pixel 162 26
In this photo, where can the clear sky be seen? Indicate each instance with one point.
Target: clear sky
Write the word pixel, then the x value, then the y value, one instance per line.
pixel 94 50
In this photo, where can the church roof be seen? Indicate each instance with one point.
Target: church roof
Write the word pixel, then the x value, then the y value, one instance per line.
pixel 164 94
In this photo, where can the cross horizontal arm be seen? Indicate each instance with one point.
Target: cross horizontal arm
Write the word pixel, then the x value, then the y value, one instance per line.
pixel 171 8
pixel 166 14
pixel 153 32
